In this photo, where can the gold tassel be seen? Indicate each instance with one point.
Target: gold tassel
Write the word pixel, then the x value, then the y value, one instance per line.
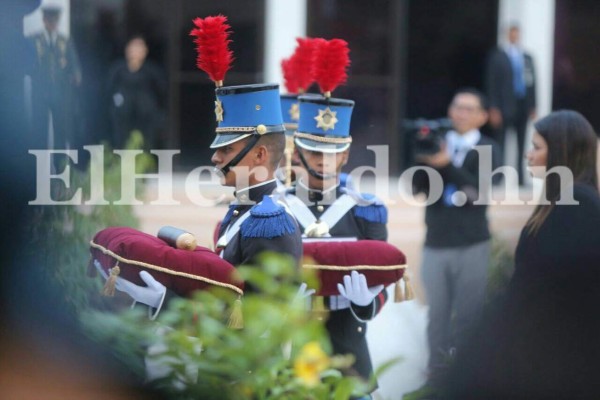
pixel 398 295
pixel 408 291
pixel 111 282
pixel 236 319
pixel 318 307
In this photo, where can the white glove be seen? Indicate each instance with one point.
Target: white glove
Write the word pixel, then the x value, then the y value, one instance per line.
pixel 152 295
pixel 303 294
pixel 356 290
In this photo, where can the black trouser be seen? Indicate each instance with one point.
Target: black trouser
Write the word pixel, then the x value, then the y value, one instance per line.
pixel 46 101
pixel 519 124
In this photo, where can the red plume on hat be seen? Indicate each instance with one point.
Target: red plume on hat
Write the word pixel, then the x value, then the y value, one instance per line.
pixel 211 37
pixel 297 73
pixel 331 60
pixel 289 75
pixel 303 60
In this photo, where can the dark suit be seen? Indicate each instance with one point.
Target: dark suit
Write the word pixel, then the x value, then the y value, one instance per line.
pixel 52 78
pixel 515 109
pixel 136 102
pixel 347 327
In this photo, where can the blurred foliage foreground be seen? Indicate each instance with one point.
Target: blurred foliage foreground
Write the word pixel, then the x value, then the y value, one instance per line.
pixel 282 352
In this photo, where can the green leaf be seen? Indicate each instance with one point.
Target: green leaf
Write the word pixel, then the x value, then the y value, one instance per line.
pixel 343 389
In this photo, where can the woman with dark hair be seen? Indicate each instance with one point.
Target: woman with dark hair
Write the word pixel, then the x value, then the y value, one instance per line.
pixel 542 340
pixel 562 139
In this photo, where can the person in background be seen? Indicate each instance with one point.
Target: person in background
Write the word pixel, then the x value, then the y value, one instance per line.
pixel 510 85
pixel 137 87
pixel 457 245
pixel 55 76
pixel 541 340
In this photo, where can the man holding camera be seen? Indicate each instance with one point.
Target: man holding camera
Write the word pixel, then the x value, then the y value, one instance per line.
pixel 457 244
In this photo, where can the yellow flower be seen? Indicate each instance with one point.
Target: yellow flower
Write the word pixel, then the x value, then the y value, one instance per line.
pixel 309 364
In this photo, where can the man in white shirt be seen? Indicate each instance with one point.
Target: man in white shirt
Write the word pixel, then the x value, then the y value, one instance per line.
pixel 457 244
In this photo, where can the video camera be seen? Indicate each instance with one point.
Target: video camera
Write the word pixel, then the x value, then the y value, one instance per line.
pixel 427 135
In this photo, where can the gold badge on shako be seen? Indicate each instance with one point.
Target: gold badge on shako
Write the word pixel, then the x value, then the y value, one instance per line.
pixel 219 110
pixel 294 112
pixel 326 119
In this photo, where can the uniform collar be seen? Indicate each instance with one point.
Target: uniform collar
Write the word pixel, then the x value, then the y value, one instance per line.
pixel 316 196
pixel 254 194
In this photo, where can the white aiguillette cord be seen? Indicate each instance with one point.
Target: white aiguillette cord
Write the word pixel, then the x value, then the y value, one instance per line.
pixel 334 213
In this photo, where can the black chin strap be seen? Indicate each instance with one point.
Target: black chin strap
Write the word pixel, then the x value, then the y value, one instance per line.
pixel 311 171
pixel 235 160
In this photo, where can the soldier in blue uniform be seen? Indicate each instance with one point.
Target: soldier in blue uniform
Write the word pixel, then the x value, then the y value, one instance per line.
pixel 246 140
pixel 324 208
pixel 249 144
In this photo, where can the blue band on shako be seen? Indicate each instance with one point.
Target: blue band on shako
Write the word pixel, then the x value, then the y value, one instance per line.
pixel 249 105
pixel 325 116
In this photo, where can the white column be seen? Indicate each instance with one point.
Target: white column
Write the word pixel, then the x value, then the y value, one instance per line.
pixel 284 22
pixel 536 19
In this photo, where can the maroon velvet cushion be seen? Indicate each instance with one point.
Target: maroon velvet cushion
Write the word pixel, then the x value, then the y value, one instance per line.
pixel 182 271
pixel 380 262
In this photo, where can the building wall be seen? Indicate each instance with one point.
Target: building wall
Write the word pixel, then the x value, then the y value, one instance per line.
pixel 397 46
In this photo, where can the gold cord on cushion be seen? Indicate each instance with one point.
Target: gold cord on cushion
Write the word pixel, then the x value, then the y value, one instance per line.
pixel 355 267
pixel 165 270
pixel 323 139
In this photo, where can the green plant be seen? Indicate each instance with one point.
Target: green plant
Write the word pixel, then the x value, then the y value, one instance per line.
pixel 60 234
pixel 500 270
